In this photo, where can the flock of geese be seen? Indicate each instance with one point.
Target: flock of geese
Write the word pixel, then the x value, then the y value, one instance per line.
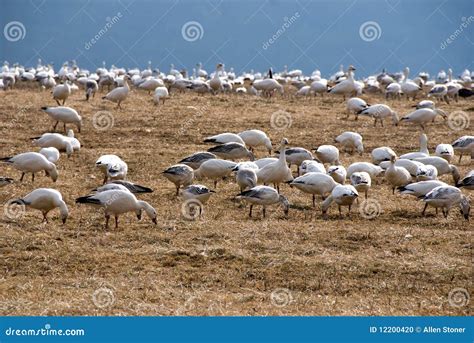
pixel 319 172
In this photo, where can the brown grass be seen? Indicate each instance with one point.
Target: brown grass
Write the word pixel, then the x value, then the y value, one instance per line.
pixel 225 263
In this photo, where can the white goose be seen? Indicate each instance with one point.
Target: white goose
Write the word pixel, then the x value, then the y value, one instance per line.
pixel 315 184
pixel 69 144
pixel 464 145
pixel 467 181
pixel 361 182
pixel 161 93
pixel 442 166
pixel 276 172
pixel 410 165
pixel 426 172
pixel 342 195
pixel 32 162
pixel 338 173
pixel 379 112
pixel 256 138
pixel 367 167
pixel 196 159
pixel 409 88
pixel 51 154
pixel 61 92
pixel 268 86
pixel 327 154
pixel 246 178
pixel 262 162
pixel 440 92
pixel 180 175
pixel 421 188
pixel 45 200
pixel 393 90
pixel 232 151
pixel 446 197
pixel 119 94
pixel 226 137
pixel 216 83
pixel 196 195
pixel 117 202
pixel 118 166
pixel 123 185
pixel 424 152
pixel 65 115
pixel 265 196
pixel 346 87
pixel 355 105
pixel 397 176
pixel 350 141
pixel 382 154
pixel 425 104
pixel 311 166
pixel 214 169
pixel 423 116
pixel 296 156
pixel 445 151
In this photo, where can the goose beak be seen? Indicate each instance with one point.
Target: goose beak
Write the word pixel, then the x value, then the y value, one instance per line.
pixel 64 221
pixel 154 221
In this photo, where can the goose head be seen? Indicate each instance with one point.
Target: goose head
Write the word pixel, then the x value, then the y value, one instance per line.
pixel 286 204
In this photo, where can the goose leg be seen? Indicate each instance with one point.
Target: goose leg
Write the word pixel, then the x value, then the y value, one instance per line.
pixel 32 177
pixel 314 200
pixel 424 209
pixel 59 104
pixel 366 194
pixel 177 190
pixel 460 157
pixel 264 211
pixel 45 219
pixel 55 125
pixel 116 221
pixel 215 184
pixel 340 212
pixel 22 175
pixel 250 213
pixel 107 217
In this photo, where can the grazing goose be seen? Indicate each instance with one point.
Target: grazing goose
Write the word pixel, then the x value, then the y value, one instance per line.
pixel 161 93
pixel 308 166
pixel 421 188
pixel 45 200
pixel 445 151
pixel 350 141
pixel 296 156
pixel 327 154
pixel 179 174
pixel 409 88
pixel 69 144
pixel 116 202
pixel 214 169
pixel 367 167
pixel 346 87
pixel 393 90
pixel 379 112
pixel 124 185
pixel 397 176
pixel 232 151
pixel 342 195
pixel 268 86
pixel 426 172
pixel 91 88
pixel 61 92
pixel 382 154
pixel 5 181
pixel 195 160
pixel 119 94
pixel 276 172
pixel 467 181
pixel 112 165
pixel 51 154
pixel 65 115
pixel 315 184
pixel 246 165
pixel 411 166
pixel 197 192
pixel 265 196
pixel 440 92
pixel 226 137
pixel 32 162
pixel 245 178
pixel 354 106
pixel 151 84
pixel 361 182
pixel 338 173
pixel 256 138
pixel 423 116
pixel 464 145
pixel 442 166
pixel 425 104
pixel 424 152
pixel 447 197
pixel 264 161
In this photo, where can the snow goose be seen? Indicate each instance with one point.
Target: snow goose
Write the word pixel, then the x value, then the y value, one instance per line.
pixel 382 154
pixel 361 182
pixel 51 154
pixel 423 116
pixel 119 94
pixel 214 169
pixel 350 141
pixel 245 178
pixel 367 167
pixel 112 166
pixel 464 145
pixel 296 156
pixel 32 162
pixel 314 183
pixel 355 105
pixel 45 200
pixel 447 197
pixel 442 166
pixel 256 138
pixel 393 90
pixel 319 87
pixel 195 195
pixel 116 202
pixel 226 137
pixel 69 144
pixel 264 161
pixel 347 86
pixel 123 185
pixel 424 152
pixel 338 173
pixel 411 166
pixel 445 151
pixel 327 154
pixel 150 84
pixel 61 92
pixel 265 196
pixel 409 88
pixel 5 181
pixel 425 104
pixel 91 88
pixel 426 172
pixel 397 176
pixel 268 86
pixel 196 159
pixel 179 174
pixel 161 93
pixel 453 87
pixel 379 112
pixel 216 83
pixel 276 172
pixel 440 92
pixel 467 181
pixel 342 195
pixel 65 115
pixel 246 165
pixel 232 151
pixel 308 166
pixel 421 188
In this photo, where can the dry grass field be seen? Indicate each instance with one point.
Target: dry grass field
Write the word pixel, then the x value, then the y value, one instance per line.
pixel 398 263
